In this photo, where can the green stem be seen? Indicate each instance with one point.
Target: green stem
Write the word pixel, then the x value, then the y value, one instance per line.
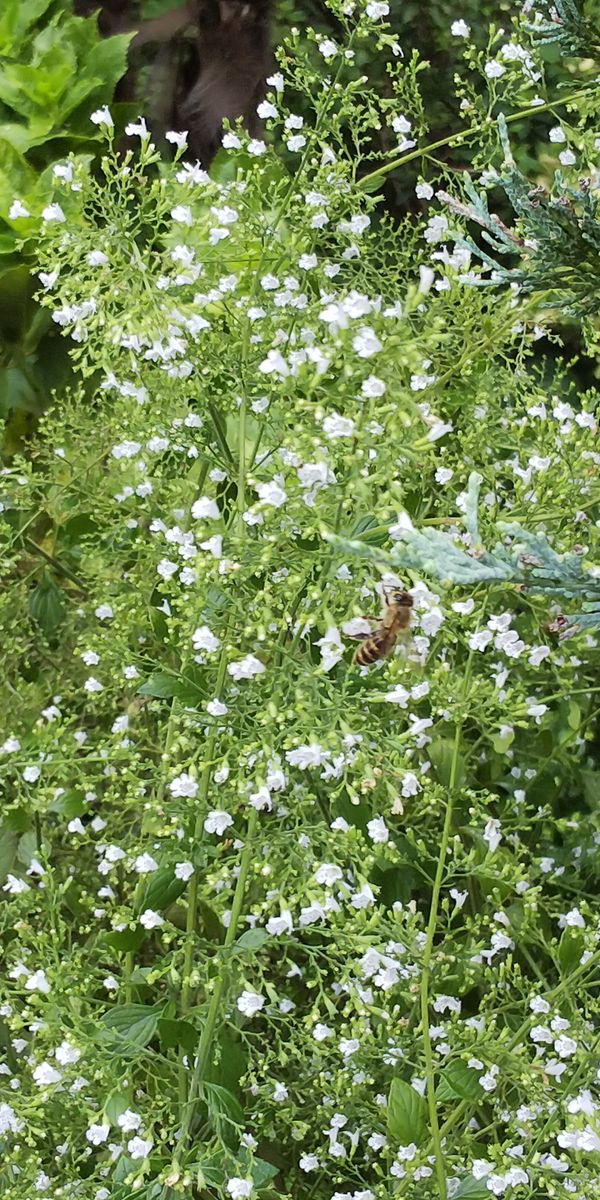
pixel 458 138
pixel 206 1038
pixel 440 1166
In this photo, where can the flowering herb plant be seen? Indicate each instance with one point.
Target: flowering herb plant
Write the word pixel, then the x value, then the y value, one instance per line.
pixel 274 923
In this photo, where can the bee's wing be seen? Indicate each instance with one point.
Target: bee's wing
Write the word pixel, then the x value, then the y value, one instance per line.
pixel 358 637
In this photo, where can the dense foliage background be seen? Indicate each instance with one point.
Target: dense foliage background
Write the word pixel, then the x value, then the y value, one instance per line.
pixel 275 924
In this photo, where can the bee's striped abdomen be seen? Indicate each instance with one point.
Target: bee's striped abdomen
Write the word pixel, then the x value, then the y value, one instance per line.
pixel 374 647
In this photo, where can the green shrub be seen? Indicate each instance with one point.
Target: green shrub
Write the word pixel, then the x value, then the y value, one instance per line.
pixel 274 923
pixel 54 70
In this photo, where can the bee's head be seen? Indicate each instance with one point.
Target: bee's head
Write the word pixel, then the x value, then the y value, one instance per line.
pixel 402 599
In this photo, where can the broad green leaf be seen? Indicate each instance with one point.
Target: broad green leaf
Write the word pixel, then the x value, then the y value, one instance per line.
pixel 8 850
pixel 160 889
pixel 441 752
pixel 46 606
pixel 472 1189
pixel 263 1172
pixel 162 685
pixel 222 1104
pixel 570 949
pixel 115 1104
pixel 132 1023
pixel 177 1033
pixel 458 1082
pixel 406 1114
pixel 252 939
pixel 123 940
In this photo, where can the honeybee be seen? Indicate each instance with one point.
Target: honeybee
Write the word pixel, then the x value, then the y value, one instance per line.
pixel 395 618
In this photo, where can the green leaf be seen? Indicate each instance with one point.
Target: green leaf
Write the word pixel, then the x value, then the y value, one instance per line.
pixel 161 685
pixel 441 752
pixel 570 949
pixel 222 1105
pixel 115 1104
pixel 472 1189
pixel 124 940
pixel 160 889
pixel 46 606
pixel 252 939
pixel 263 1172
pixel 406 1114
pixel 134 1024
pixel 28 848
pixel 8 850
pixel 458 1082
pixel 177 1033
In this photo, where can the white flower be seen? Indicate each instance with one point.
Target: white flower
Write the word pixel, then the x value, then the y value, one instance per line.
pixel 366 343
pixel 205 509
pixel 348 1046
pixel 53 212
pixel 139 1147
pixel 266 109
pixel 573 920
pixel 213 545
pixel 140 129
pixel 376 9
pixel 306 756
pixel 103 612
pixel 144 864
pixel 336 426
pixel 204 639
pixel 557 134
pixel 151 919
pixel 567 158
pixel 184 870
pixel 565 1046
pixel 217 822
pixel 296 143
pixel 250 1003
pixel 424 191
pixel 309 1162
pixel 460 29
pixel 31 774
pixel 15 886
pixel 282 924
pixel 378 830
pixel 328 874
pixel 494 70
pixel 274 363
pixel 9 1123
pixel 216 708
pixel 45 1074
pixel 245 668
pixel 102 117
pixel 239 1188
pixel 177 139
pixel 38 982
pixel 331 648
pixel 492 834
pixel 17 210
pixel 276 81
pixel 96 1134
pixel 261 800
pixel 129 1120
pixel 328 49
pixel 183 785
pixel 271 494
pixel 321 1032
pixel 96 258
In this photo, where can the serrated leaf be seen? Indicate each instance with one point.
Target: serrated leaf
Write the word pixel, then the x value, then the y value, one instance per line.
pixel 134 1024
pixel 263 1172
pixel 406 1114
pixel 458 1082
pixel 222 1104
